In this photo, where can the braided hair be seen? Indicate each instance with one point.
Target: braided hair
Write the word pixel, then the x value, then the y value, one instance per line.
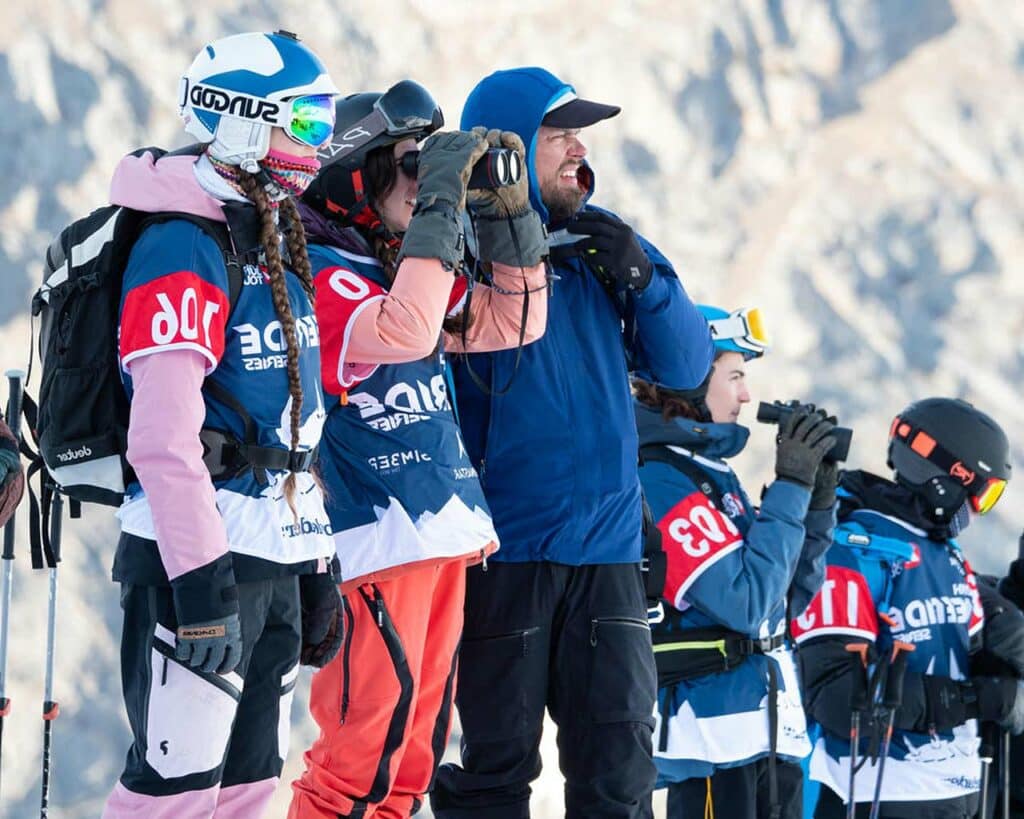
pixel 295 237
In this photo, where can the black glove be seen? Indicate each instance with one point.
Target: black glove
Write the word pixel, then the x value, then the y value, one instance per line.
pixel 1012 586
pixel 611 250
pixel 323 619
pixel 445 164
pixel 1000 700
pixel 206 606
pixel 802 442
pixel 826 479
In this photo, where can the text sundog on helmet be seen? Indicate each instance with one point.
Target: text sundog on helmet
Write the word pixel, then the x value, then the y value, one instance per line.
pixel 221 102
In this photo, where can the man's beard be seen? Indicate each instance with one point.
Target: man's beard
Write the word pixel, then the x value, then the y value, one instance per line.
pixel 562 203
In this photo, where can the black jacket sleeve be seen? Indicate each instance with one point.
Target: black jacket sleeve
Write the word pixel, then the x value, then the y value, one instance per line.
pixel 828 672
pixel 1003 634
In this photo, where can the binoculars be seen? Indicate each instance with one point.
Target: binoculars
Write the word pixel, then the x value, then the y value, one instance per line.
pixel 497 168
pixel 778 411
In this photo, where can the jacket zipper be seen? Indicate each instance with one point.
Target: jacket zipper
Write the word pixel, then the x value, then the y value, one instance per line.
pixel 633 622
pixel 522 634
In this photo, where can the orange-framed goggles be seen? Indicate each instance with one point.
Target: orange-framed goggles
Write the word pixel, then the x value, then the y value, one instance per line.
pixel 984 491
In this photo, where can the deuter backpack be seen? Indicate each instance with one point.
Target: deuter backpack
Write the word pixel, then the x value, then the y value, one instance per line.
pixel 80 422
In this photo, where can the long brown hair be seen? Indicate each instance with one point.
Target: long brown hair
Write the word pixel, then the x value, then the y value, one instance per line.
pixel 295 237
pixel 381 176
pixel 671 406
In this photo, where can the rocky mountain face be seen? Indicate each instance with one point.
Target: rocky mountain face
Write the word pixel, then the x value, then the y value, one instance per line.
pixel 853 167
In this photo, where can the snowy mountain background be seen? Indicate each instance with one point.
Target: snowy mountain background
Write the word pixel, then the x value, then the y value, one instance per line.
pixel 853 167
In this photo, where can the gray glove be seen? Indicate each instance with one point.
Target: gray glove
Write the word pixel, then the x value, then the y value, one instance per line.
pixel 800 446
pixel 206 608
pixel 446 162
pixel 508 229
pixel 213 646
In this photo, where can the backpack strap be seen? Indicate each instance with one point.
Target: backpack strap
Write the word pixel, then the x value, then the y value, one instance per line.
pixel 697 474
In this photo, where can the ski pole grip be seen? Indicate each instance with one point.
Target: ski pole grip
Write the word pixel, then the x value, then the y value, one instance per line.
pixel 892 695
pixel 15 388
pixel 989 741
pixel 859 676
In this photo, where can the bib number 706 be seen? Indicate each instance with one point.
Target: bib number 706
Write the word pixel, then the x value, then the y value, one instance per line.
pixel 185 320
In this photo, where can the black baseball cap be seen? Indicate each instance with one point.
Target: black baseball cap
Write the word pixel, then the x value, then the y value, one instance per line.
pixel 578 113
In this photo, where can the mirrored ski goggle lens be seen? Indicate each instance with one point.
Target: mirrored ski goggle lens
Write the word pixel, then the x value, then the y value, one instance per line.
pixel 407 107
pixel 312 121
pixel 985 500
pixel 754 322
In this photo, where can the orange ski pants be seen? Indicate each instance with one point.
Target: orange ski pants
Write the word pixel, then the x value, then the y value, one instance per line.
pixel 384 704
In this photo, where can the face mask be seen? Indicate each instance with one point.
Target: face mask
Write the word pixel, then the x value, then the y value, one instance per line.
pixel 292 174
pixel 960 520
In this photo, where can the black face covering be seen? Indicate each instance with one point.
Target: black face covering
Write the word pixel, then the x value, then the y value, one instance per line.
pixel 960 520
pixel 939 506
pixel 943 502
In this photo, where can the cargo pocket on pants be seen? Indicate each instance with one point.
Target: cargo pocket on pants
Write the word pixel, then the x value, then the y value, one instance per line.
pixel 623 683
pixel 190 713
pixel 502 682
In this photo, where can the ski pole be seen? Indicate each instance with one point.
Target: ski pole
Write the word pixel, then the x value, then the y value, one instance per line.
pixel 858 704
pixel 51 709
pixel 1006 774
pixel 892 697
pixel 15 379
pixel 987 752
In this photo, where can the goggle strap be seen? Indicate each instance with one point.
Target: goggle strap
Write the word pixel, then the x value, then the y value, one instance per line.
pixel 924 445
pixel 341 145
pixel 735 329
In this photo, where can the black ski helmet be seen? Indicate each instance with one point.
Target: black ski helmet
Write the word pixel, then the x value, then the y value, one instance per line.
pixel 362 123
pixel 947 451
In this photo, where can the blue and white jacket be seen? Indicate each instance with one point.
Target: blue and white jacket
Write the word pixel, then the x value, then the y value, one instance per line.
pixel 887 580
pixel 735 568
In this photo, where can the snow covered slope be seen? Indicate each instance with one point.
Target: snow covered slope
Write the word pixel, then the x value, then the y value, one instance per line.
pixel 854 167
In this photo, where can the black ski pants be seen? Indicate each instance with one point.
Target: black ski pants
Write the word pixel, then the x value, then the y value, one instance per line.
pixel 203 732
pixel 573 639
pixel 738 793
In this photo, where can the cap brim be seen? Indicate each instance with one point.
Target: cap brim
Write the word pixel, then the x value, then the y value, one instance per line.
pixel 579 113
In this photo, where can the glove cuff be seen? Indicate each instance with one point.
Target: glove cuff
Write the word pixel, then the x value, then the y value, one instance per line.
pixel 207 593
pixel 435 233
pixel 793 479
pixel 497 239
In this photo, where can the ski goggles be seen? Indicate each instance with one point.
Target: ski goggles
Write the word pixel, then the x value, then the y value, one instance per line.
pixel 744 328
pixel 308 120
pixel 405 110
pixel 984 492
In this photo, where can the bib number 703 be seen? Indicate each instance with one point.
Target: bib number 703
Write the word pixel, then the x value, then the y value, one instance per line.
pixel 711 530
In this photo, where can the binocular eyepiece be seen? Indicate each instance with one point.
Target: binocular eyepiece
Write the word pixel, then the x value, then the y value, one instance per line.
pixel 497 168
pixel 778 411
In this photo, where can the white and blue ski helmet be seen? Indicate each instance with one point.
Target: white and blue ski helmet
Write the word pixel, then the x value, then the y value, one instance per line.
pixel 239 87
pixel 741 331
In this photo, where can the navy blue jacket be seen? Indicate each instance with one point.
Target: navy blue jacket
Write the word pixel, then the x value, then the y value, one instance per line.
pixel 730 565
pixel 557 453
